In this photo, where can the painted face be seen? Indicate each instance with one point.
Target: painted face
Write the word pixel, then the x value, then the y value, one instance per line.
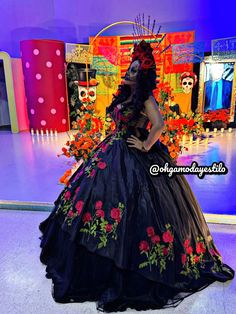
pixel 89 94
pixel 132 72
pixel 187 85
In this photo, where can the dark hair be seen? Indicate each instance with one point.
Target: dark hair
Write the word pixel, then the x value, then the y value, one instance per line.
pixel 145 81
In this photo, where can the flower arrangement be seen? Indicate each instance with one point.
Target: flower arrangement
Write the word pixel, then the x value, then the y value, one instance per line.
pixel 90 126
pixel 176 125
pixel 217 118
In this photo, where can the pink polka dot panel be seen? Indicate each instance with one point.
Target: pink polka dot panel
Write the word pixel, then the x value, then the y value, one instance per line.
pixel 35 52
pixel 49 64
pixel 45 86
pixel 41 100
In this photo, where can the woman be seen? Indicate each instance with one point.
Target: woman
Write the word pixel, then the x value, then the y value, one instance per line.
pixel 119 235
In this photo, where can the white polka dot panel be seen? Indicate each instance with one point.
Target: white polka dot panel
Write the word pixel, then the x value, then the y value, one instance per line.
pixel 32 111
pixel 63 121
pixel 60 76
pixel 58 53
pixel 53 111
pixel 43 122
pixel 41 100
pixel 38 76
pixel 49 64
pixel 35 52
pixel 62 99
pixel 27 65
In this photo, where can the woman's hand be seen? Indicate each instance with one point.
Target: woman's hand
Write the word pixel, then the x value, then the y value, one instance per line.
pixel 135 142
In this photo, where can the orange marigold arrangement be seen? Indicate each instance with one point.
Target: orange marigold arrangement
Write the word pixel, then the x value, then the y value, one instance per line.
pixel 90 126
pixel 175 125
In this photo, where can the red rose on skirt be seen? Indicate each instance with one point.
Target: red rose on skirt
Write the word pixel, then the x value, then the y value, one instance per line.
pixel 104 147
pixel 70 213
pixel 167 237
pixel 186 243
pixel 67 195
pixel 183 258
pixel 79 206
pixel 150 231
pixel 100 213
pixel 87 217
pixel 98 205
pixel 92 173
pixel 155 239
pixel 196 259
pixel 108 228
pixel 115 214
pixel 200 248
pixel 144 246
pixel 165 251
pixel 189 250
pixel 102 165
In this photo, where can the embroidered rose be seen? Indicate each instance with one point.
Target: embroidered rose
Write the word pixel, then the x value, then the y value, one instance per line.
pixel 98 205
pixel 104 147
pixel 167 237
pixel 92 173
pixel 196 259
pixel 155 239
pixel 87 217
pixel 102 165
pixel 150 231
pixel 165 251
pixel 79 206
pixel 200 248
pixel 77 190
pixel 70 213
pixel 189 250
pixel 115 214
pixel 186 243
pixel 183 258
pixel 144 246
pixel 67 195
pixel 108 228
pixel 100 213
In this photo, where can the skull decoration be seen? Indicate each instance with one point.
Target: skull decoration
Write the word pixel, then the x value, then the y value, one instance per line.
pixel 187 81
pixel 87 94
pixel 87 90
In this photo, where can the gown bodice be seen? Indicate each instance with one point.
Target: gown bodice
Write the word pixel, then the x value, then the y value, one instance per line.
pixel 126 123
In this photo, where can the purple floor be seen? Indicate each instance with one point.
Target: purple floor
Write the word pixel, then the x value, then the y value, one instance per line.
pixel 30 169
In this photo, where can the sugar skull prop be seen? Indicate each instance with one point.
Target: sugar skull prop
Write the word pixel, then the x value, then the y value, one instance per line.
pixel 87 92
pixel 188 80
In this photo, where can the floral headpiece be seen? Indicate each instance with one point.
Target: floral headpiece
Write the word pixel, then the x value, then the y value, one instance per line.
pixel 188 74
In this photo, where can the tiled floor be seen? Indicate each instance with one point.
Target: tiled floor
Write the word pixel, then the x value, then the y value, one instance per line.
pixel 30 169
pixel 25 290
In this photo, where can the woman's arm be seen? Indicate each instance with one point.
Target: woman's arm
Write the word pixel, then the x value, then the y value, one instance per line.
pixel 153 113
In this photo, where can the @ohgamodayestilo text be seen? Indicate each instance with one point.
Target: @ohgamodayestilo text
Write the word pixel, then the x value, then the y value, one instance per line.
pixel 217 168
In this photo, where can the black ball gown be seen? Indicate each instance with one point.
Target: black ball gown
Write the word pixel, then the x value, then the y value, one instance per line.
pixel 125 238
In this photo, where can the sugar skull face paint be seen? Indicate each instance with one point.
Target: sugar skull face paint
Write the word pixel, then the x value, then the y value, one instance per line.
pixel 132 72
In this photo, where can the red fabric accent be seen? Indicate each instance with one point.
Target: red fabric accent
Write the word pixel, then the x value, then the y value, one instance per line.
pixel 45 84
